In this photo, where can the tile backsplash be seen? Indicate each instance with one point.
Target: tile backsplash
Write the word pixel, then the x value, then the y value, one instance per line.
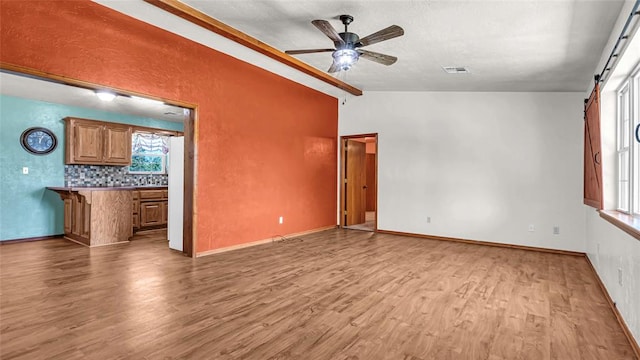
pixel 99 175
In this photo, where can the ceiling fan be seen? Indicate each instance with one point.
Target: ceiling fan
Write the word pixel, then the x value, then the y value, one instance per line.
pixel 347 44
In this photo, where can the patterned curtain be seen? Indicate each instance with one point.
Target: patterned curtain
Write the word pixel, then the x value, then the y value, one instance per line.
pixel 145 143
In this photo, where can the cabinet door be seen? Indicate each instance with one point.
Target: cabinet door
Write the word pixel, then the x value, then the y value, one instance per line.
pixel 68 215
pixel 150 213
pixel 117 145
pixel 135 220
pixel 87 142
pixel 165 210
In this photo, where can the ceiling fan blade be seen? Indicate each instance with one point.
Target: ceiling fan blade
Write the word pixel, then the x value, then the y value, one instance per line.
pixel 334 68
pixel 378 57
pixel 382 35
pixel 328 30
pixel 310 51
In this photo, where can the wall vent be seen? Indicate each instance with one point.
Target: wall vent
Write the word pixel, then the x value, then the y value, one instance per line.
pixel 455 70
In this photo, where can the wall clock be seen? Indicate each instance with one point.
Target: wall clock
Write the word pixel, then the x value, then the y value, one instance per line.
pixel 38 140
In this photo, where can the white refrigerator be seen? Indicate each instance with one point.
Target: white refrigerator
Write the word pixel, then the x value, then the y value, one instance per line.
pixel 176 192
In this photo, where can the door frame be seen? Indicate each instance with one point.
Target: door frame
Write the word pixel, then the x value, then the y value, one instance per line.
pixel 189 236
pixel 343 165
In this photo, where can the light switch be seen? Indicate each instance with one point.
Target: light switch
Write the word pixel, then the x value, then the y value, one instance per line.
pixel 25 170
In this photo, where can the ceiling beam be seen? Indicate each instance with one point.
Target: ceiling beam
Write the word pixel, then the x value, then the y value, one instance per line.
pixel 199 18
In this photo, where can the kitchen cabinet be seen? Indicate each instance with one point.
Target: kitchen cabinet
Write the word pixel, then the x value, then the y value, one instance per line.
pixel 96 216
pixel 135 214
pixel 94 142
pixel 153 209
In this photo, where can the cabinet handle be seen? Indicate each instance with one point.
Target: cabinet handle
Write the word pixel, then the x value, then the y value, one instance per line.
pixel 638 133
pixel 595 158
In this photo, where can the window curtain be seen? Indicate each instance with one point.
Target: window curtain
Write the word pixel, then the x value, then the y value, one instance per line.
pixel 145 143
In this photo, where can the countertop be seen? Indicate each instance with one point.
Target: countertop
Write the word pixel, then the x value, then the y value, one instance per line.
pixel 106 188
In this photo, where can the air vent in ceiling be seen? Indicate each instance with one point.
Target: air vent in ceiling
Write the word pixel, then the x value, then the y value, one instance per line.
pixel 455 70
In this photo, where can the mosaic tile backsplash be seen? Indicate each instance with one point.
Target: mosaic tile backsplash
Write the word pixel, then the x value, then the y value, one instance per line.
pixel 98 175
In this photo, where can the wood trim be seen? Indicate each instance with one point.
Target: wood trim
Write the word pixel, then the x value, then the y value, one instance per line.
pixel 30 239
pixel 201 19
pixel 261 242
pixel 189 140
pixel 486 243
pixel 622 221
pixel 189 203
pixel 43 75
pixel 77 239
pixel 612 305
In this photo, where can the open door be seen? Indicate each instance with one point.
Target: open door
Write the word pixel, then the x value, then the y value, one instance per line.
pixel 355 183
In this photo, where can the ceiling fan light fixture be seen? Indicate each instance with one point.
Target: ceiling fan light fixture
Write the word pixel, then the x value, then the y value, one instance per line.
pixel 345 58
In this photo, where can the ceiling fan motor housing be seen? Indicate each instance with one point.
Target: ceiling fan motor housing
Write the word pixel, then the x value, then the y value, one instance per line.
pixel 350 39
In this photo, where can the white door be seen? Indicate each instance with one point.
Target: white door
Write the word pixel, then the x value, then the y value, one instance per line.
pixel 176 192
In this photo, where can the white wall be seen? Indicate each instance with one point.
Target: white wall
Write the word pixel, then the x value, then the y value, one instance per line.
pixel 608 247
pixel 483 166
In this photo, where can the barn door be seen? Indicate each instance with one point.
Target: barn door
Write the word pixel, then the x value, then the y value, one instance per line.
pixel 592 151
pixel 355 183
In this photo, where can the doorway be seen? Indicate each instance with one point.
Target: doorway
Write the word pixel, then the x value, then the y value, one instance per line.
pixel 75 91
pixel 359 182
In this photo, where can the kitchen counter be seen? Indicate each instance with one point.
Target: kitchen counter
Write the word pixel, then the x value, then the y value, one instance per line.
pixel 96 216
pixel 106 188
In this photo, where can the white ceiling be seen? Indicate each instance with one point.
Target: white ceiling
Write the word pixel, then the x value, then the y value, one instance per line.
pixel 37 89
pixel 508 45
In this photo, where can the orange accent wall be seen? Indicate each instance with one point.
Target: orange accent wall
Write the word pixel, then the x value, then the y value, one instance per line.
pixel 266 146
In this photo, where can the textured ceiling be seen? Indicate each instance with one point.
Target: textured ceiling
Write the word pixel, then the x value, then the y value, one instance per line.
pixel 516 45
pixel 30 88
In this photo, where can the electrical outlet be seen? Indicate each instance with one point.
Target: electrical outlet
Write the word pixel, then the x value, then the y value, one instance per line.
pixel 556 230
pixel 532 228
pixel 281 220
pixel 428 219
pixel 25 170
pixel 620 276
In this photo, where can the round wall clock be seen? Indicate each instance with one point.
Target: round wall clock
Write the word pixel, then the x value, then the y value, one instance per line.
pixel 38 140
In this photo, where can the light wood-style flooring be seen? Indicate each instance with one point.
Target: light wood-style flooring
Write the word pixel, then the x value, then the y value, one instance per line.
pixel 337 294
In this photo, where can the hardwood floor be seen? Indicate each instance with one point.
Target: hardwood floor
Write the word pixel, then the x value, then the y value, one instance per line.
pixel 337 294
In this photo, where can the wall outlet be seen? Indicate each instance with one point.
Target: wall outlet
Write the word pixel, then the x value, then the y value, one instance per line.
pixel 620 276
pixel 428 219
pixel 556 230
pixel 281 220
pixel 532 228
pixel 25 170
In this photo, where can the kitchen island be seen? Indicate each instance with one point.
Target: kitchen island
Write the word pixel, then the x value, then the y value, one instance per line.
pixel 97 216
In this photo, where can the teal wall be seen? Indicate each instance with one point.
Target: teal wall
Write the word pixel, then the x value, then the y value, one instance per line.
pixel 27 209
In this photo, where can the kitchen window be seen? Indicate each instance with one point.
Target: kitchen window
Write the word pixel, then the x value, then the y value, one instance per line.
pixel 149 153
pixel 628 146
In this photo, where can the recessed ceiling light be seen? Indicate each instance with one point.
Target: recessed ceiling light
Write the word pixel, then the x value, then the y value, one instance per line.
pixel 456 70
pixel 105 95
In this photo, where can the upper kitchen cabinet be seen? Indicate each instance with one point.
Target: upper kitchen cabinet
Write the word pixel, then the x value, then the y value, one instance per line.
pixel 97 143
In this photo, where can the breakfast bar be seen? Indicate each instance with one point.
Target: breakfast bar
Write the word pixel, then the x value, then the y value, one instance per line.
pixel 97 216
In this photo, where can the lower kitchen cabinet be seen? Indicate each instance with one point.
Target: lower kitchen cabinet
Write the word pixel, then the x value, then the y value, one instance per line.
pixel 153 209
pixel 94 216
pixel 153 213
